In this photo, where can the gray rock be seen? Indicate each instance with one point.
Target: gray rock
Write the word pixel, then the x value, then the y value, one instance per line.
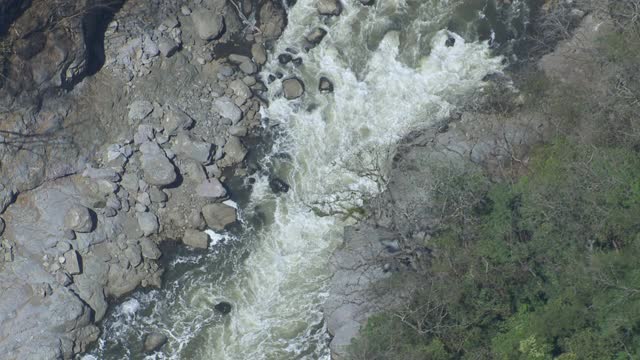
pixel 176 120
pixel 157 168
pixel 79 219
pixel 259 53
pixel 185 10
pixel 2 226
pixel 144 134
pixel 218 216
pixel 130 182
pixel 148 223
pixel 208 24
pixel 293 88
pixel 139 110
pixel 196 221
pixel 69 234
pixel 240 89
pixel 194 171
pixel 63 246
pixel 154 341
pixel 196 239
pixel 149 249
pixel 63 278
pixel 234 152
pixel 315 37
pixel 144 198
pixel 329 7
pixel 141 208
pixel 238 130
pixel 326 86
pixel 6 197
pixel 101 174
pixel 186 147
pixel 157 195
pixel 248 67
pixel 109 212
pixel 167 47
pixel 133 254
pixel 227 109
pixel 212 189
pixel 72 262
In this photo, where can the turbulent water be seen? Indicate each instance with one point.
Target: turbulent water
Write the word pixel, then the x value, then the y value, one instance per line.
pixel 392 72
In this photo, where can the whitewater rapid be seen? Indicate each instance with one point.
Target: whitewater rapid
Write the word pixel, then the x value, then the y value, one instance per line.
pixel 392 72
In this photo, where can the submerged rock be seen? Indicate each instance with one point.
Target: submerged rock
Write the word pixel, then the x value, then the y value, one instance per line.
pixel 293 88
pixel 278 186
pixel 450 42
pixel 315 37
pixel 329 7
pixel 223 307
pixel 154 341
pixel 326 86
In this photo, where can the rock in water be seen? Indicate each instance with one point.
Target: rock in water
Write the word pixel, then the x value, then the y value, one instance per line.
pixel 209 25
pixel 326 86
pixel 293 88
pixel 195 239
pixel 329 7
pixel 367 2
pixel 285 58
pixel 450 41
pixel 79 219
pixel 223 307
pixel 154 341
pixel 278 186
pixel 219 216
pixel 315 37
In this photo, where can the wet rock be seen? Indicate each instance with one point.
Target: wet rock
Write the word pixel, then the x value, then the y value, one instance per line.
pixel 326 86
pixel 450 42
pixel 79 219
pixel 211 189
pixel 208 24
pixel 139 110
pixel 223 307
pixel 157 168
pixel 195 239
pixel 293 88
pixel 186 147
pixel 218 216
pixel 278 185
pixel 329 7
pixel 315 37
pixel 367 2
pixel 72 262
pixel 148 223
pixel 227 109
pixel 297 61
pixel 273 19
pixel 285 58
pixel 154 341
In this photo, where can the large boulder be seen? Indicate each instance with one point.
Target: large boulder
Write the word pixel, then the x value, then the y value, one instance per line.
pixel 272 19
pixel 157 168
pixel 148 223
pixel 211 189
pixel 227 109
pixel 208 24
pixel 176 120
pixel 195 239
pixel 234 152
pixel 186 147
pixel 293 88
pixel 79 219
pixel 219 216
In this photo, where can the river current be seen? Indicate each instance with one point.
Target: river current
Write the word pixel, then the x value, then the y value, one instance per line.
pixel 392 73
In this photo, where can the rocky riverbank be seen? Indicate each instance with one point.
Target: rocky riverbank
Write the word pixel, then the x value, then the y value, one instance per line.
pixel 498 132
pixel 121 124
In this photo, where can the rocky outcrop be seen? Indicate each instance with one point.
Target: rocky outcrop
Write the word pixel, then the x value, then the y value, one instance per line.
pixel 99 170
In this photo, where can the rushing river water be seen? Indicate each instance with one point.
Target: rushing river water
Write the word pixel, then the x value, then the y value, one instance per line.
pixel 392 71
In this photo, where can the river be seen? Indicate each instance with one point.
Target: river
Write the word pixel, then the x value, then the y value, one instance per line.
pixel 392 72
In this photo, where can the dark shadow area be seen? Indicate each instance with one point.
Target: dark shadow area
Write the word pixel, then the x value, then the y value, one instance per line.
pixel 9 11
pixel 94 25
